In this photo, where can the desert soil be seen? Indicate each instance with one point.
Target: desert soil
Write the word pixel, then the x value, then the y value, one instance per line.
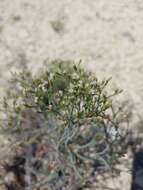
pixel 106 35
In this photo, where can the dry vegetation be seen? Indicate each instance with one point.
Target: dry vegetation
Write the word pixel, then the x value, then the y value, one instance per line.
pixel 64 129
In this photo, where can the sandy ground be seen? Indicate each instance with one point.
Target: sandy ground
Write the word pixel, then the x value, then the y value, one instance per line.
pixel 106 35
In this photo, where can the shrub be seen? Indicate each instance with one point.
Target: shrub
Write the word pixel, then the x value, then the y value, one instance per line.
pixel 65 127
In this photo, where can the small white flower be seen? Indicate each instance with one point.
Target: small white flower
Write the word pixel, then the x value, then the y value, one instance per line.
pixel 71 90
pixel 36 89
pixel 87 85
pixel 80 83
pixel 75 76
pixel 92 91
pixel 36 99
pixel 60 92
pixel 50 106
pixel 42 87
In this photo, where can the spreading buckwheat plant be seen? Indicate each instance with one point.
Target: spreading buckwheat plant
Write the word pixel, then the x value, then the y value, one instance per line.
pixel 64 128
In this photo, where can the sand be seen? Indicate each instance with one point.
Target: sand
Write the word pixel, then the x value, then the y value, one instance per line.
pixel 106 35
